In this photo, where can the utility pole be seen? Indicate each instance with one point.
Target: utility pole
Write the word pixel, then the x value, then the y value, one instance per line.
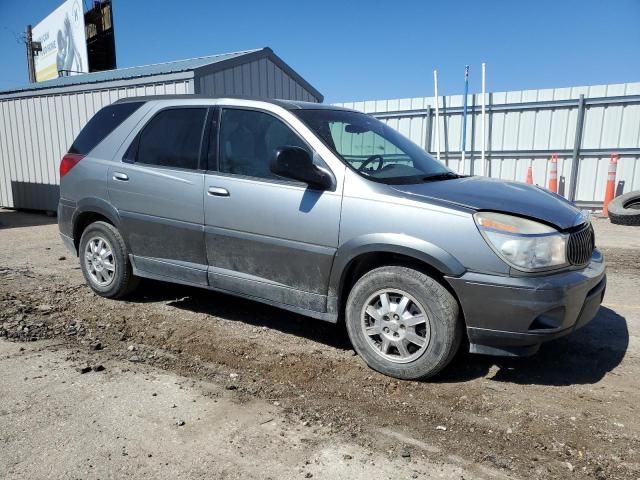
pixel 30 63
pixel 32 49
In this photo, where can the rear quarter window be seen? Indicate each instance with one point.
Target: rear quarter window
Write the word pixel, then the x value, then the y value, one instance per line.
pixel 102 124
pixel 171 138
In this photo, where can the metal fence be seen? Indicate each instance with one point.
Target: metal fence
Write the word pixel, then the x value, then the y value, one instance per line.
pixel 583 126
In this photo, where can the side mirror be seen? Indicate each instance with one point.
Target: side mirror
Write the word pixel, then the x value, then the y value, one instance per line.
pixel 297 164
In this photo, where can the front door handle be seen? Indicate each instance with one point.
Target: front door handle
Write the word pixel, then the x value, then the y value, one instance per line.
pixel 218 191
pixel 123 177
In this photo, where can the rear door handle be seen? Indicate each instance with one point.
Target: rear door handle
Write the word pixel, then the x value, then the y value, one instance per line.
pixel 123 177
pixel 218 191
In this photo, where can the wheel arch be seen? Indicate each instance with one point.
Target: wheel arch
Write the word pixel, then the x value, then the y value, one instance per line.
pixel 365 253
pixel 92 210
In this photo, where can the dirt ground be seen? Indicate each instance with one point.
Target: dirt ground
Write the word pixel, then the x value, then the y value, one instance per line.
pixel 197 384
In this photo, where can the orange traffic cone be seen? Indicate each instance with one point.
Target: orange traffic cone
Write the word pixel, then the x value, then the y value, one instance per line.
pixel 530 175
pixel 611 183
pixel 553 174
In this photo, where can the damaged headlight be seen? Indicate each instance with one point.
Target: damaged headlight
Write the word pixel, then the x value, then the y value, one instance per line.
pixel 523 244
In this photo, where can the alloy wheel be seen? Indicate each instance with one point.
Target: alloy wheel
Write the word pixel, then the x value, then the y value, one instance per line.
pixel 99 261
pixel 395 325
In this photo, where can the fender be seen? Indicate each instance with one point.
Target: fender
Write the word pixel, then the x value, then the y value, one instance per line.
pixel 95 205
pixel 398 243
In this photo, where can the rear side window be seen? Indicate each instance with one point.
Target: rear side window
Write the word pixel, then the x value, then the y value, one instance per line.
pixel 102 124
pixel 172 138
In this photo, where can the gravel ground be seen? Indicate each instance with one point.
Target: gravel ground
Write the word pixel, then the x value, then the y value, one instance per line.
pixel 569 411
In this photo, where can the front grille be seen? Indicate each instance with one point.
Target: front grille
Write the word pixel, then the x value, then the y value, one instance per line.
pixel 580 246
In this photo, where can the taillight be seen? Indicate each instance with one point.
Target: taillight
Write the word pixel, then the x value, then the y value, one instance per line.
pixel 68 162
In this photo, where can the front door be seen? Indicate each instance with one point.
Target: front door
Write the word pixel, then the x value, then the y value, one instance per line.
pixel 158 190
pixel 266 236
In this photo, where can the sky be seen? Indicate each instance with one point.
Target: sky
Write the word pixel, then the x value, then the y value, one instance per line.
pixel 362 50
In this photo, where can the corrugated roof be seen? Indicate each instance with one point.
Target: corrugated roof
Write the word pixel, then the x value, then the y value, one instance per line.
pixel 132 72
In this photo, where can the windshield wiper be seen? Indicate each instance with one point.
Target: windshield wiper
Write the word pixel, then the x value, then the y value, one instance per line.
pixel 440 176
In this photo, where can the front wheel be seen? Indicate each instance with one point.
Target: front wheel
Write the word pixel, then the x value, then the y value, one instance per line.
pixel 403 323
pixel 105 262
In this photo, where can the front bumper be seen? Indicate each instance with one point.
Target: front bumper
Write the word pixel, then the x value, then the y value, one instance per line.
pixel 513 315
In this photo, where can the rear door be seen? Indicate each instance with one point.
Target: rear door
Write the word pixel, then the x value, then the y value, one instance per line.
pixel 158 190
pixel 266 236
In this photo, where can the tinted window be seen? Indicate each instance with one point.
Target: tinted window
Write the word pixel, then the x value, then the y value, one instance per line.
pixel 172 138
pixel 102 124
pixel 249 140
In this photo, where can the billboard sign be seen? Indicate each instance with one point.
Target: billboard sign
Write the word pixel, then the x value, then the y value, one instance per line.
pixel 64 48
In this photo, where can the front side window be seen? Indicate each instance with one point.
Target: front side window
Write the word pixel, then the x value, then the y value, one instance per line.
pixel 172 138
pixel 249 140
pixel 372 148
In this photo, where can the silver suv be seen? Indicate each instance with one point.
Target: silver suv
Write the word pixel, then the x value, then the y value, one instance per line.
pixel 329 213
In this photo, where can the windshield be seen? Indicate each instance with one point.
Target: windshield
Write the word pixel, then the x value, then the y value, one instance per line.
pixel 371 148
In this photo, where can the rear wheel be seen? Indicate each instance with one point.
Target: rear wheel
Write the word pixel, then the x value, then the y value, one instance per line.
pixel 105 262
pixel 403 323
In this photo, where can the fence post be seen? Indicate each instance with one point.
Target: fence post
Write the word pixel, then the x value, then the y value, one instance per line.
pixel 472 157
pixel 427 136
pixel 489 133
pixel 576 149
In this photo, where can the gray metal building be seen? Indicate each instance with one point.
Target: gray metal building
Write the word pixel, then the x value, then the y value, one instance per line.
pixel 582 125
pixel 38 122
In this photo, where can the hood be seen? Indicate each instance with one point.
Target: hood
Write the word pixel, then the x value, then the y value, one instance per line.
pixel 482 193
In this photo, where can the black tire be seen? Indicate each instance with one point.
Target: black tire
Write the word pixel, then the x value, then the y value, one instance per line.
pixel 123 281
pixel 439 305
pixel 625 209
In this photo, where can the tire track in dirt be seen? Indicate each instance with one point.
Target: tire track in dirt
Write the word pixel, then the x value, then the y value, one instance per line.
pixel 529 418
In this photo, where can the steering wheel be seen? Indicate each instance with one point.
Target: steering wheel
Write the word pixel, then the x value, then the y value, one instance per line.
pixel 371 159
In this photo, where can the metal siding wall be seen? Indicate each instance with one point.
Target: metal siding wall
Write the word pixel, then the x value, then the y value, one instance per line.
pixel 36 131
pixel 614 126
pixel 260 78
pixel 4 160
